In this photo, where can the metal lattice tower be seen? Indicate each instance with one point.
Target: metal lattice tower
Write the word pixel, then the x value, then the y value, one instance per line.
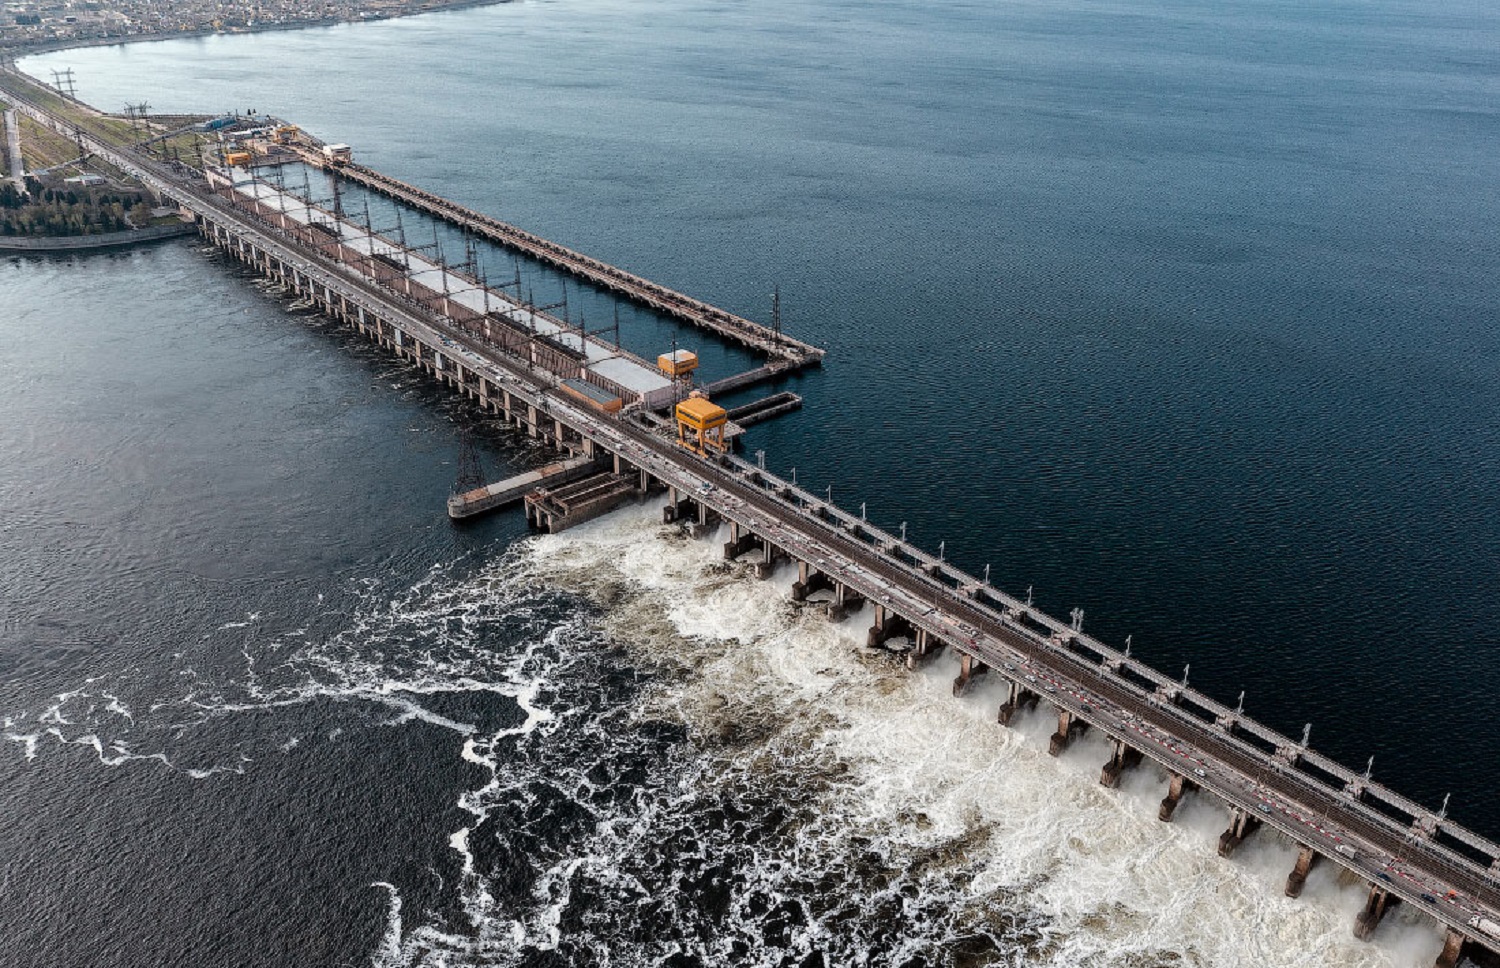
pixel 62 80
pixel 470 470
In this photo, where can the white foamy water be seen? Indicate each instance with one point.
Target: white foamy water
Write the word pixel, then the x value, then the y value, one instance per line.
pixel 698 769
pixel 892 772
pixel 392 653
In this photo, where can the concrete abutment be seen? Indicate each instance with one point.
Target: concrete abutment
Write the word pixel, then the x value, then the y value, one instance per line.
pixel 1377 904
pixel 809 580
pixel 1175 789
pixel 1241 825
pixel 1123 758
pixel 1306 858
pixel 1020 698
pixel 968 668
pixel 923 646
pixel 887 626
pixel 1453 950
pixel 1069 725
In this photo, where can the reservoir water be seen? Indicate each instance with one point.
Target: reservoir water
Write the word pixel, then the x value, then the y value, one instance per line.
pixel 1181 313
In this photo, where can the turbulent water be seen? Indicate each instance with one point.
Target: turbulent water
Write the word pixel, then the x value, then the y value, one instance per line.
pixel 1180 312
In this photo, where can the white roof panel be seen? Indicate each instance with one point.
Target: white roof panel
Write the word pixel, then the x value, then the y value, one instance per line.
pixel 605 360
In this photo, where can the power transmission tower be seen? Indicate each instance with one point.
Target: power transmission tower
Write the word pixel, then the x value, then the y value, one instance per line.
pixel 470 470
pixel 137 115
pixel 63 81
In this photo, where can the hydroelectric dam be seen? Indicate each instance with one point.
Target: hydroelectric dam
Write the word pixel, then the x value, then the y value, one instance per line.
pixel 622 421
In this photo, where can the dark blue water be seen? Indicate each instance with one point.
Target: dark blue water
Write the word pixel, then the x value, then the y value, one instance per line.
pixel 1181 313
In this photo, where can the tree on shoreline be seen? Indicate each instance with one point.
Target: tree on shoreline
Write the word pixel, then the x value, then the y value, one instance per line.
pixel 51 213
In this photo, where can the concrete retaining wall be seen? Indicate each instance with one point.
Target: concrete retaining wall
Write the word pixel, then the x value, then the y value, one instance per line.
pixel 81 243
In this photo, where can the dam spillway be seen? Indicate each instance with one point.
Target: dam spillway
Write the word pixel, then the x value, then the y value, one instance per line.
pixel 1404 851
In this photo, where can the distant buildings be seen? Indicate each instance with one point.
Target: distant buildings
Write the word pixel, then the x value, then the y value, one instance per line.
pixel 26 24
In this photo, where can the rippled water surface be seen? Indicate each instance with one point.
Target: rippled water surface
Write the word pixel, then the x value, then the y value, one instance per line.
pixel 1181 313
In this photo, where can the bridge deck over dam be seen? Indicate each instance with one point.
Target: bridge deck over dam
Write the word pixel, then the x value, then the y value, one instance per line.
pixel 1404 851
pixel 787 352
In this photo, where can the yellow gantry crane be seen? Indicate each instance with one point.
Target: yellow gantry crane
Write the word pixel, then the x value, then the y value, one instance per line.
pixel 700 424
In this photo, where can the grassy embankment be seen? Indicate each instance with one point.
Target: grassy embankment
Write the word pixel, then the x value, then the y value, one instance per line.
pixel 54 208
pixel 109 128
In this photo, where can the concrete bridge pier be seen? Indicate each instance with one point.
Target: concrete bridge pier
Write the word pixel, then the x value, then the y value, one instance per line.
pixel 676 505
pixel 1241 825
pixel 741 540
pixel 1175 790
pixel 682 508
pixel 1020 698
pixel 767 562
pixel 1306 858
pixel 887 625
pixel 925 644
pixel 1124 758
pixel 1068 726
pixel 707 520
pixel 645 484
pixel 1379 902
pixel 809 580
pixel 968 668
pixel 1453 950
pixel 845 600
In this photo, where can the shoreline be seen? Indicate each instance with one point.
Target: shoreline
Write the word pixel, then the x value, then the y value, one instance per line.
pixel 13 55
pixel 58 244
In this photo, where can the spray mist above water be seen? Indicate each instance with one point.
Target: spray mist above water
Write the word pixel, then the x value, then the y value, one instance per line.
pixel 716 775
pixel 678 765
